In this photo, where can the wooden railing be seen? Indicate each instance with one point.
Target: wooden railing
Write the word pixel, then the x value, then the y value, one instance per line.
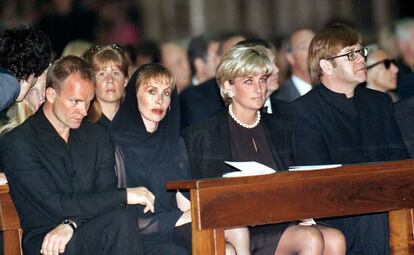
pixel 223 203
pixel 9 223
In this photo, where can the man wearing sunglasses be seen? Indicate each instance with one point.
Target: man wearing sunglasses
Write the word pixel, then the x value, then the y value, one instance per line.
pixel 341 122
pixel 381 72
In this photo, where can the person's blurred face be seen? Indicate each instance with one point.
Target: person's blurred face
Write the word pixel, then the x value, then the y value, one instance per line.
pixel 300 47
pixel 383 74
pixel 249 93
pixel 175 59
pixel 273 79
pixel 110 84
pixel 350 72
pixel 36 95
pixel 154 98
pixel 212 59
pixel 70 105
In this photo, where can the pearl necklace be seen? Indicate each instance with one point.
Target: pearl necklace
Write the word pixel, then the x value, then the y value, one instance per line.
pixel 258 116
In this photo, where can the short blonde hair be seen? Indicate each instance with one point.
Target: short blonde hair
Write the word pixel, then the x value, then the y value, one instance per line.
pixel 242 61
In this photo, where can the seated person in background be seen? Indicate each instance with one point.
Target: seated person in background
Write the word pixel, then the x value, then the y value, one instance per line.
pixel 174 57
pixel 76 48
pixel 299 83
pixel 146 131
pixel 243 133
pixel 341 122
pixel 111 75
pixel 20 111
pixel 25 53
pixel 381 72
pixel 61 175
pixel 404 115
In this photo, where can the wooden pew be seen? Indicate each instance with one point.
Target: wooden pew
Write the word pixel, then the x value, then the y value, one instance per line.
pixel 9 224
pixel 223 203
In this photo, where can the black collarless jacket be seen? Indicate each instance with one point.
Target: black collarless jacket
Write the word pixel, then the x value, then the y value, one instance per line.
pixel 208 144
pixel 51 180
pixel 329 128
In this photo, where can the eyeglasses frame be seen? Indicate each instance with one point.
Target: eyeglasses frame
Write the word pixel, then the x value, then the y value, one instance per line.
pixel 362 52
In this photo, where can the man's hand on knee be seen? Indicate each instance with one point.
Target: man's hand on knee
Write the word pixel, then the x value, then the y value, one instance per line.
pixel 55 241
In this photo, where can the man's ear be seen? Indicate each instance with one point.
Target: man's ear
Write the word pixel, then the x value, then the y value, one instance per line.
pixel 326 66
pixel 198 64
pixel 289 58
pixel 50 95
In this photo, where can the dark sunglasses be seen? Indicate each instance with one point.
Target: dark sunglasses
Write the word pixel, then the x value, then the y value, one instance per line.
pixel 387 63
pixel 114 46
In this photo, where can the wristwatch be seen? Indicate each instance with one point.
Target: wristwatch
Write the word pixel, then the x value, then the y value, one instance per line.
pixel 71 223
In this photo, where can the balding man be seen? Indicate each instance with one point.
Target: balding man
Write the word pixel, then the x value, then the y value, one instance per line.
pixel 174 57
pixel 297 56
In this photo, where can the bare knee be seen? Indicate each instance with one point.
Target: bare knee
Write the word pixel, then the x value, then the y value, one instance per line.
pixel 314 240
pixel 335 243
pixel 301 240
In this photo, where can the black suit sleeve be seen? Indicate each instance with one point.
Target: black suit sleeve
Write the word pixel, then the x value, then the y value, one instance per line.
pixel 34 181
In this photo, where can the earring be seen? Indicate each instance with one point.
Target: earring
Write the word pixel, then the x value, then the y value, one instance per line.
pixel 230 93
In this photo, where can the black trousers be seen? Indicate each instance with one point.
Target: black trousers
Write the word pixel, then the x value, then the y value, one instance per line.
pixel 180 245
pixel 112 233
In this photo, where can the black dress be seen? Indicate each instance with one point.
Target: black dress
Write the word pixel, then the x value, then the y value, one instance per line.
pixel 150 160
pixel 220 138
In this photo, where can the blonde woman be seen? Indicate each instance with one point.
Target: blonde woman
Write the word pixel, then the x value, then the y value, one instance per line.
pixel 243 133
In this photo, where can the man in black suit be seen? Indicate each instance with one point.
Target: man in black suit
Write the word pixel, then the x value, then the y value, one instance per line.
pixel 202 98
pixel 299 83
pixel 341 122
pixel 404 115
pixel 60 170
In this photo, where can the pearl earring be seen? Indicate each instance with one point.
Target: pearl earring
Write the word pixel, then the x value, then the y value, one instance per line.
pixel 230 93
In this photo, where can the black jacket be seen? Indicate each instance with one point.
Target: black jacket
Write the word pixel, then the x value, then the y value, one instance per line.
pixel 404 115
pixel 329 130
pixel 200 102
pixel 51 180
pixel 208 144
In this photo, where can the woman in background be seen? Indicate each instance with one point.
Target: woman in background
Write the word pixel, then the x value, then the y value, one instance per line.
pixel 111 76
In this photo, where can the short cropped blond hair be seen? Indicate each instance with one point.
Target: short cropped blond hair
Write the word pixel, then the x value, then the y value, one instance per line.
pixel 242 61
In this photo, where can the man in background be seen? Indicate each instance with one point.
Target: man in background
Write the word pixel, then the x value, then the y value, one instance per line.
pixel 25 53
pixel 299 83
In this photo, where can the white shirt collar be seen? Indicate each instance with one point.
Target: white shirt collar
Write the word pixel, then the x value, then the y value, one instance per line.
pixel 269 105
pixel 302 86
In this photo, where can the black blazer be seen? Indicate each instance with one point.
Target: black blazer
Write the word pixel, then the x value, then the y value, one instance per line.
pixel 51 180
pixel 287 92
pixel 328 131
pixel 404 115
pixel 208 144
pixel 200 102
